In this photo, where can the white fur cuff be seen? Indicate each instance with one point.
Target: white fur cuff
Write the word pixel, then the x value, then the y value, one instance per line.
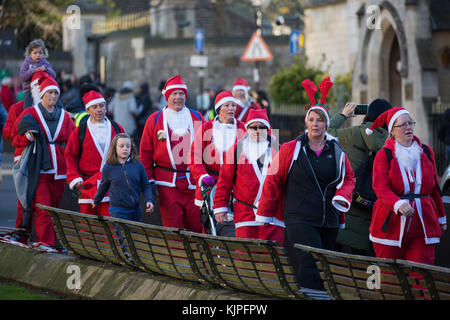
pixel 398 204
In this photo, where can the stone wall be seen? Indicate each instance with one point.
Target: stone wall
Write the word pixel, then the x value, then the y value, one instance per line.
pixel 332 30
pixel 13 60
pixel 162 59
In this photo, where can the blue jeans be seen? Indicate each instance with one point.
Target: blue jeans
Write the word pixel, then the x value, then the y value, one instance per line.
pixel 125 214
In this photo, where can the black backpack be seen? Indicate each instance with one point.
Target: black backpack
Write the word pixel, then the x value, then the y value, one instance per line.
pixel 363 193
pixel 82 132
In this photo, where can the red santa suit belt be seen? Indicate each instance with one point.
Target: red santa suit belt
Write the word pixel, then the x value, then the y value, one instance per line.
pixel 409 196
pixel 170 169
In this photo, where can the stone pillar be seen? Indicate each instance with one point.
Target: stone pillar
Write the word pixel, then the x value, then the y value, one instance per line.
pixel 75 40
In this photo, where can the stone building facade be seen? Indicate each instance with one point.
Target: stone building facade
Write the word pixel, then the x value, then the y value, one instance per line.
pixel 162 49
pixel 397 50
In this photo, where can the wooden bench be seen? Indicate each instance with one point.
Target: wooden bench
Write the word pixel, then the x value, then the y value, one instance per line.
pixel 87 236
pixel 158 249
pixel 147 247
pixel 353 277
pixel 433 280
pixel 255 266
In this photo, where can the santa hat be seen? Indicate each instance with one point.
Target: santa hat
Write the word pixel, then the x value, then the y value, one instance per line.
pixel 91 98
pixel 36 76
pixel 388 117
pixel 223 97
pixel 257 115
pixel 46 84
pixel 174 83
pixel 311 89
pixel 240 83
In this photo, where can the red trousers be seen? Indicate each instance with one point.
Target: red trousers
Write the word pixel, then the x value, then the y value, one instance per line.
pixel 247 232
pixel 177 207
pixel 265 232
pixel 102 209
pixel 271 232
pixel 413 248
pixel 49 192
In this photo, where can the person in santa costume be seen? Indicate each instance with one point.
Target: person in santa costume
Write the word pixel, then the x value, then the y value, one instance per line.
pixel 16 109
pixel 244 101
pixel 408 217
pixel 14 112
pixel 210 146
pixel 164 151
pixel 85 163
pixel 56 125
pixel 308 188
pixel 242 175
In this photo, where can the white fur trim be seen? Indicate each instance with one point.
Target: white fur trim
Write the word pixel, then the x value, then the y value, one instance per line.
pixel 248 224
pixel 443 220
pixel 74 182
pixel 263 219
pixel 239 87
pixel 85 201
pixel 95 101
pixel 432 240
pixel 165 183
pixel 398 204
pixel 223 100
pixel 387 242
pixel 342 226
pixel 175 86
pixel 47 89
pixel 198 203
pixel 395 116
pixel 151 181
pixel 369 131
pixel 220 210
pixel 321 109
pixel 270 220
pixel 265 122
pixel 338 206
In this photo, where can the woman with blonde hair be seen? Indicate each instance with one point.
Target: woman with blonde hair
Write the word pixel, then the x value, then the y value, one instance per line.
pixel 309 186
pixel 408 218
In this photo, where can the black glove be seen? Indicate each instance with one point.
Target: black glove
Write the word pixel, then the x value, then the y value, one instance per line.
pixel 154 189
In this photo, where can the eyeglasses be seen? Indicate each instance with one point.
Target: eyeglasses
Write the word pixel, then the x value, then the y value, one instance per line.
pixel 404 125
pixel 258 127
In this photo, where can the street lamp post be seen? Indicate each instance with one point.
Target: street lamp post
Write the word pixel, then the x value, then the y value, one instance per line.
pixel 259 5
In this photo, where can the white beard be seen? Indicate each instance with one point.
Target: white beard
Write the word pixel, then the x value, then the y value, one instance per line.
pixel 254 150
pixel 35 93
pixel 178 121
pixel 224 136
pixel 408 157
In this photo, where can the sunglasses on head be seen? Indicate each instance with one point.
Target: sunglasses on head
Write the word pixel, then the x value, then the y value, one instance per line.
pixel 258 127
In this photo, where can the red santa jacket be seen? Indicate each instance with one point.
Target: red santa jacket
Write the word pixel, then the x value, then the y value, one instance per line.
pixel 242 112
pixel 81 167
pixel 14 111
pixel 205 159
pixel 390 182
pixel 156 151
pixel 62 133
pixel 245 180
pixel 271 205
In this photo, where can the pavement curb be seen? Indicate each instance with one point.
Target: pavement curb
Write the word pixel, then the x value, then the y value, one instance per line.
pixel 101 281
